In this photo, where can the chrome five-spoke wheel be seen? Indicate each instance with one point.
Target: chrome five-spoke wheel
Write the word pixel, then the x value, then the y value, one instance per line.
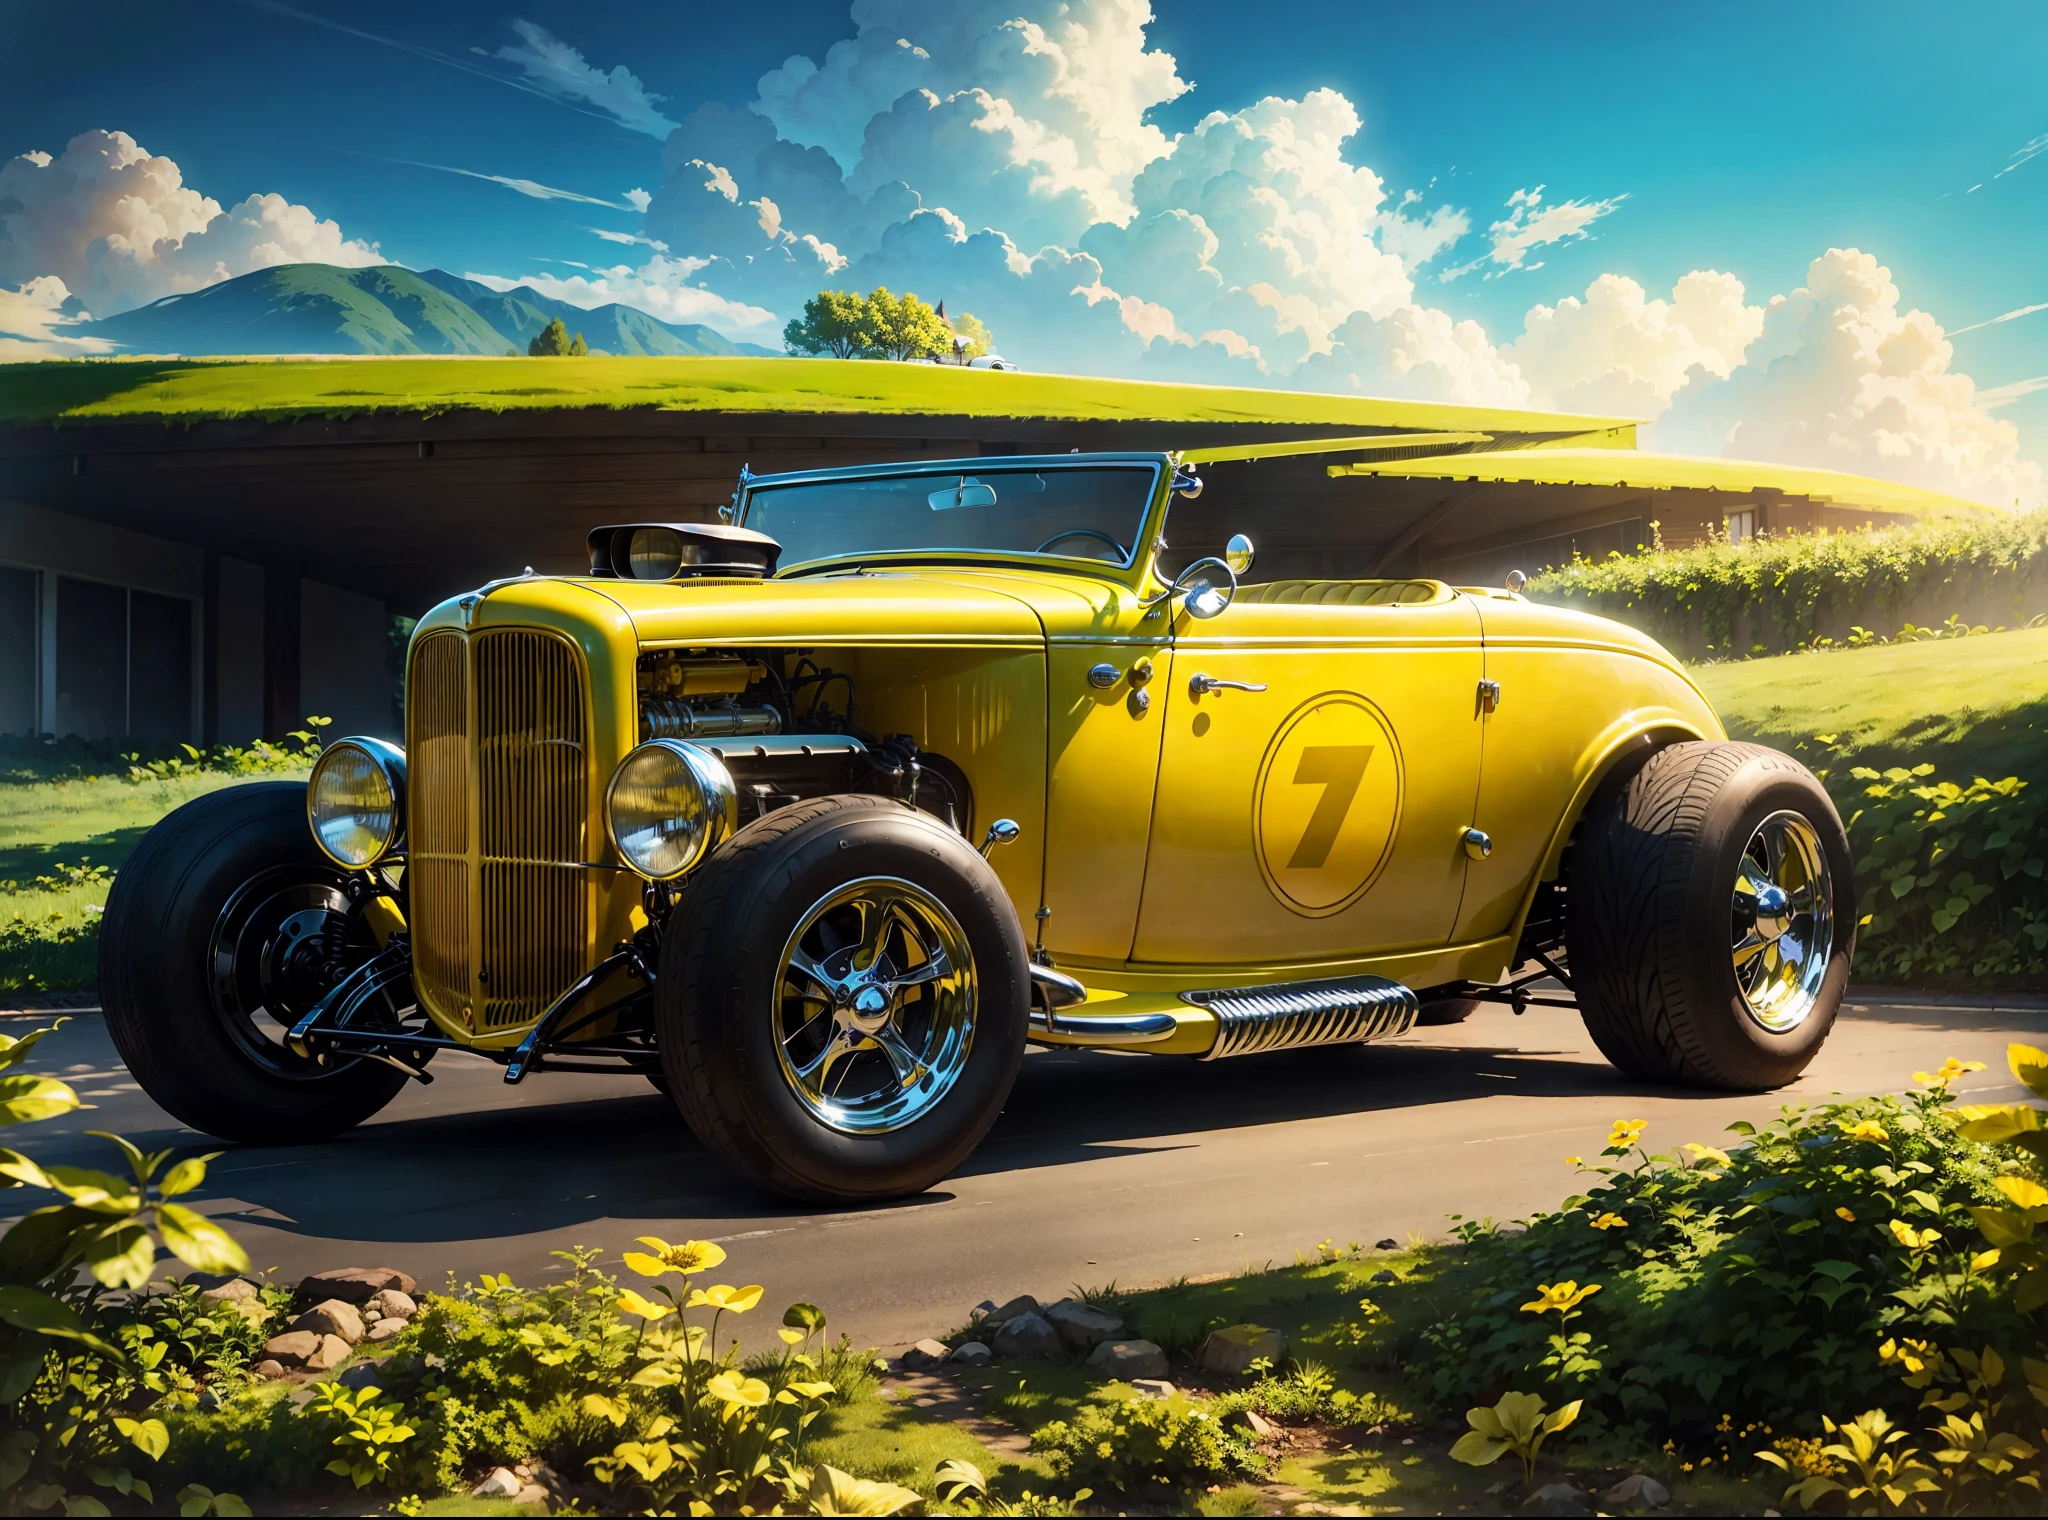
pixel 1783 925
pixel 876 1005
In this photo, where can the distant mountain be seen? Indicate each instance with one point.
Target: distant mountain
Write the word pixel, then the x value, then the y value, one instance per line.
pixel 523 311
pixel 321 309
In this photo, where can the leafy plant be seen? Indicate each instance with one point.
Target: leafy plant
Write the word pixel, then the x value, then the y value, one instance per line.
pixel 365 1430
pixel 76 1385
pixel 1881 1470
pixel 1516 1424
pixel 1143 1446
pixel 1761 1278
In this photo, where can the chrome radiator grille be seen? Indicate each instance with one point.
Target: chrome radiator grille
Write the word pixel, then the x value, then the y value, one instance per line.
pixel 1295 1014
pixel 501 901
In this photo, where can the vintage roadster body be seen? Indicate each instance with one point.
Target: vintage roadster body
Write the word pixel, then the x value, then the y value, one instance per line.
pixel 816 816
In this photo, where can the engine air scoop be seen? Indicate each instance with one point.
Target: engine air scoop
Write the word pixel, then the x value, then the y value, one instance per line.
pixel 681 551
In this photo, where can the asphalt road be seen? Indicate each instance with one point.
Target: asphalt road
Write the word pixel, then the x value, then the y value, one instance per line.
pixel 1104 1166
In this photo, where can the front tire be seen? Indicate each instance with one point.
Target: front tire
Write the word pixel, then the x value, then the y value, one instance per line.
pixel 225 926
pixel 1710 918
pixel 843 1000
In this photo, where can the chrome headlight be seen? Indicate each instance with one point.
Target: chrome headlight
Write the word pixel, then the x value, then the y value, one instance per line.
pixel 355 801
pixel 668 806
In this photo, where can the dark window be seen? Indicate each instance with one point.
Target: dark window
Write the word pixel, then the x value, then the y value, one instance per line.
pixel 159 666
pixel 19 648
pixel 92 659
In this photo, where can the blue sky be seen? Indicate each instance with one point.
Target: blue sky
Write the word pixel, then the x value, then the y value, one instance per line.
pixel 1741 139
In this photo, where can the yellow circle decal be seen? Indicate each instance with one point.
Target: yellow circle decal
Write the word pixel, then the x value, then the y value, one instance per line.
pixel 1328 803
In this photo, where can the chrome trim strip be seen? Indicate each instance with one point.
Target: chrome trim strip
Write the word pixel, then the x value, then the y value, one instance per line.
pixel 1294 1015
pixel 1106 1029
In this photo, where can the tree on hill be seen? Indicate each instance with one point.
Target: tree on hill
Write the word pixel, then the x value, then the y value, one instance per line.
pixel 835 322
pixel 554 342
pixel 906 328
pixel 878 325
pixel 971 337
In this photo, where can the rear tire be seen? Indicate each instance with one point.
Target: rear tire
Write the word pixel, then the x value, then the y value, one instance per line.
pixel 1447 1011
pixel 225 925
pixel 1710 918
pixel 797 1077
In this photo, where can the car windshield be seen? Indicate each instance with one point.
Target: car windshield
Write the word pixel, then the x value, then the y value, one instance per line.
pixel 1092 511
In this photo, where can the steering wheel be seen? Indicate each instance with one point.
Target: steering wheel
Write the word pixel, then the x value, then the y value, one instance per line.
pixel 1121 552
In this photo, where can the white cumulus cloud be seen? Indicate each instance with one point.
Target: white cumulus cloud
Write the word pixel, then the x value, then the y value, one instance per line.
pixel 119 227
pixel 1842 378
pixel 1623 352
pixel 551 65
pixel 33 319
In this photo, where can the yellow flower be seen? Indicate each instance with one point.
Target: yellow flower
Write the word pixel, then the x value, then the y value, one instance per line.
pixel 1845 1216
pixel 1610 1222
pixel 1560 1298
pixel 1709 1153
pixel 737 1391
pixel 1947 1072
pixel 725 1296
pixel 1912 1239
pixel 1625 1133
pixel 1574 1161
pixel 691 1256
pixel 1984 1261
pixel 632 1303
pixel 1866 1129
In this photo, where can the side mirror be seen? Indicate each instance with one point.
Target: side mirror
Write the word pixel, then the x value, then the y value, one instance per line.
pixel 1208 584
pixel 1238 554
pixel 1516 581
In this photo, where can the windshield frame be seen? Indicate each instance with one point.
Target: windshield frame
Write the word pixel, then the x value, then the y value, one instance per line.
pixel 1135 574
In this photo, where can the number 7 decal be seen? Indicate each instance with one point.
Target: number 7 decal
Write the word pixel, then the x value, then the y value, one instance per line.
pixel 1338 769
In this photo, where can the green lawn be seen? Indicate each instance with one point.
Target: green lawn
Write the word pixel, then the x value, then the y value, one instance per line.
pixel 1971 707
pixel 59 840
pixel 190 390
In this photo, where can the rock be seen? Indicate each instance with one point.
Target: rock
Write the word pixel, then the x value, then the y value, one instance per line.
pixel 1389 1244
pixel 355 1285
pixel 1232 1351
pixel 1558 1499
pixel 501 1484
pixel 1130 1360
pixel 208 1401
pixel 1083 1326
pixel 308 1349
pixel 269 1367
pixel 1384 1276
pixel 236 1290
pixel 924 1356
pixel 392 1304
pixel 532 1493
pixel 385 1330
pixel 1638 1491
pixel 1028 1334
pixel 1153 1388
pixel 1254 1424
pixel 1023 1304
pixel 332 1317
pixel 972 1354
pixel 363 1375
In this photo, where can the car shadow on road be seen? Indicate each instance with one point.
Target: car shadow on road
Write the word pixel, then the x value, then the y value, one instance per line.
pixel 507 1171
pixel 496 1169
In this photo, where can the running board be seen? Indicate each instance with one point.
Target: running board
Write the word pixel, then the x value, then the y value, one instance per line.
pixel 1293 1015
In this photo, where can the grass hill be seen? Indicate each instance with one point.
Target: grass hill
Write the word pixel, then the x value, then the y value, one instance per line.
pixel 1971 707
pixel 321 309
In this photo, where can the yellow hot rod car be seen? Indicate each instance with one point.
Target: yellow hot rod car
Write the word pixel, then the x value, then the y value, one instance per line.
pixel 815 816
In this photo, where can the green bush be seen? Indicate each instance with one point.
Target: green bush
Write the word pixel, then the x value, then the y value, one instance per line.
pixel 1951 878
pixel 1146 1447
pixel 1790 590
pixel 1761 1281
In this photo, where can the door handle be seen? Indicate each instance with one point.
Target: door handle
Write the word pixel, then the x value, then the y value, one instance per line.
pixel 1198 684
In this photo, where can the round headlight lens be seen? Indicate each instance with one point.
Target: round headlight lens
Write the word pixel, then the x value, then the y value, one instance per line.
pixel 654 554
pixel 669 805
pixel 355 801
